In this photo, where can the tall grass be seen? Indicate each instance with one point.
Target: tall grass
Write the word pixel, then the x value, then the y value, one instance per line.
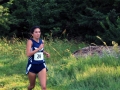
pixel 65 72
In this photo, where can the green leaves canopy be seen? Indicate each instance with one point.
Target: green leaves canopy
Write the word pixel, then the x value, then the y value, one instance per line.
pixel 79 18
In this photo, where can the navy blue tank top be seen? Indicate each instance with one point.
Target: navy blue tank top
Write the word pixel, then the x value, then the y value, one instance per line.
pixel 38 57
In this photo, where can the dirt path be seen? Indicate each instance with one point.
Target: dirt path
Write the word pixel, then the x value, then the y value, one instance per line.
pixel 99 50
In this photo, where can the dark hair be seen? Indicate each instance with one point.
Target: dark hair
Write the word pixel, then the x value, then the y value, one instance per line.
pixel 33 28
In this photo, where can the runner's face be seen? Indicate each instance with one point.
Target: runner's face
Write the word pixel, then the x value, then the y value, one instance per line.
pixel 36 34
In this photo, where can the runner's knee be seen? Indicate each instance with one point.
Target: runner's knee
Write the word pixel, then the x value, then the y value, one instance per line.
pixel 31 86
pixel 43 87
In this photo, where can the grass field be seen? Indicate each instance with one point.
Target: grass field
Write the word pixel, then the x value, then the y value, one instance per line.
pixel 65 72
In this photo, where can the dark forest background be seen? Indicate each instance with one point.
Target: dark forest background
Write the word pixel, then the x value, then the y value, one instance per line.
pixel 72 19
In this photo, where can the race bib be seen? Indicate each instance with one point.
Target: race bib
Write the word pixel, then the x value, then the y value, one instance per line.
pixel 38 56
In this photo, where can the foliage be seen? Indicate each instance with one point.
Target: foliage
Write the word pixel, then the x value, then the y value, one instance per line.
pixel 78 18
pixel 102 25
pixel 3 19
pixel 111 29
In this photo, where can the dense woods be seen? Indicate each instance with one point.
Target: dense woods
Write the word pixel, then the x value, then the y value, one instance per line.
pixel 71 19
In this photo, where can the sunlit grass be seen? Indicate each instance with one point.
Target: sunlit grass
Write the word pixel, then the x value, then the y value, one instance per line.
pixel 65 72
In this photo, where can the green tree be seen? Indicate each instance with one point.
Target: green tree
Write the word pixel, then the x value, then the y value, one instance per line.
pixel 111 30
pixel 4 21
pixel 80 18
